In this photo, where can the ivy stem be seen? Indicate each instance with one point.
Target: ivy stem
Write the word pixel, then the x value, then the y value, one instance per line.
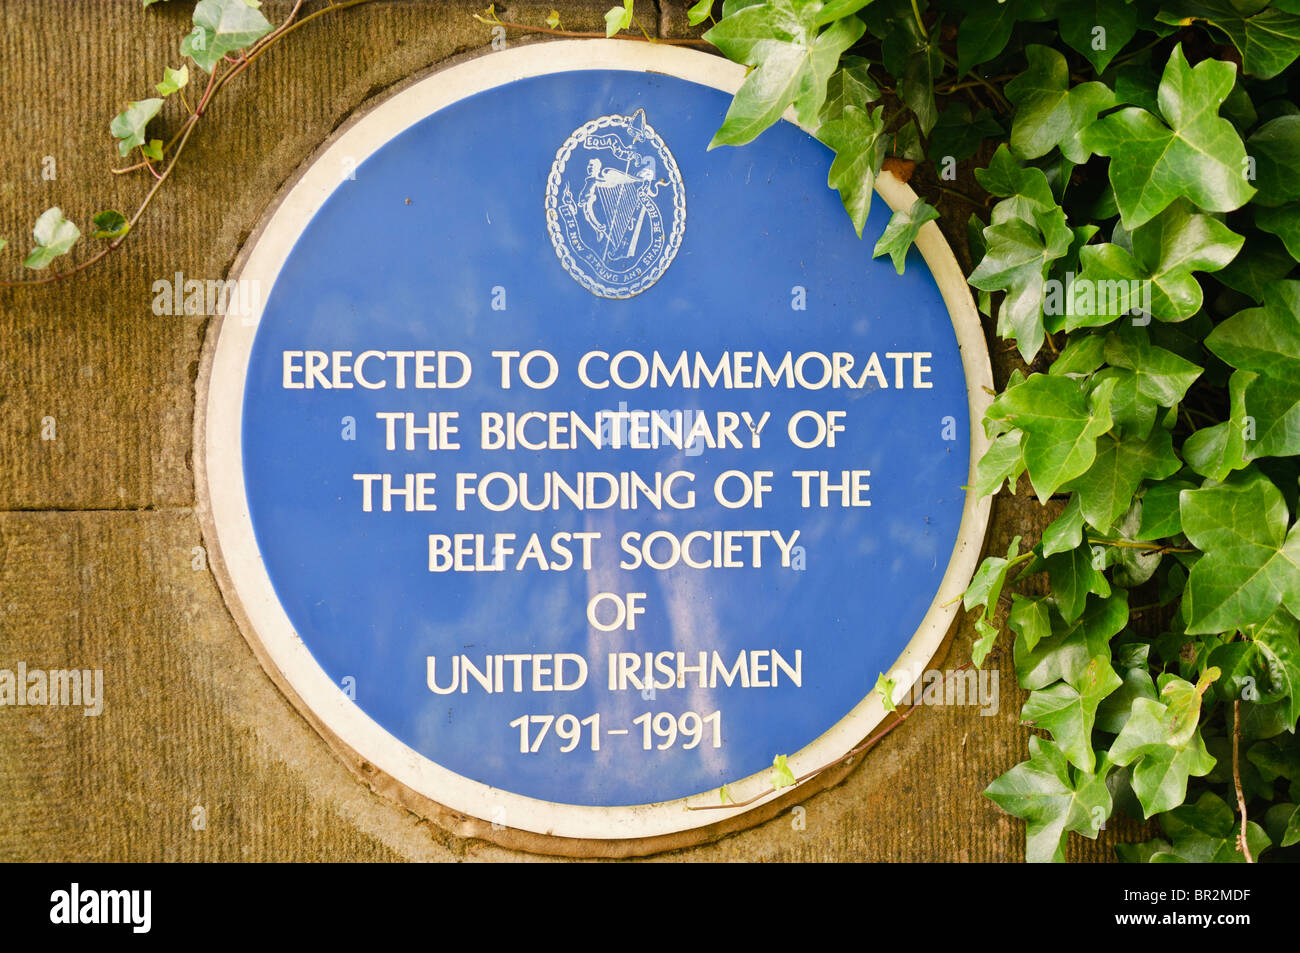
pixel 920 24
pixel 1134 544
pixel 1236 777
pixel 993 91
pixel 182 136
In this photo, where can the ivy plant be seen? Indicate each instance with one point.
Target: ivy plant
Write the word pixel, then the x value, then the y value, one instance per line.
pixel 1135 232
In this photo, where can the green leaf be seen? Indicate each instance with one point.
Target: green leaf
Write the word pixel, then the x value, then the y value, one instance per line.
pixel 1030 620
pixel 885 688
pixel 793 60
pixel 1069 711
pixel 1206 832
pixel 1078 23
pixel 1061 424
pixel 1274 148
pixel 1251 563
pixel 957 134
pixel 1156 374
pixel 904 225
pixel 1108 487
pixel 850 85
pixel 984 32
pixel 553 18
pixel 1074 575
pixel 1174 244
pixel 1163 740
pixel 1268 40
pixel 1216 451
pixel 1053 799
pixel 1160 510
pixel 1133 661
pixel 618 18
pixel 1278 642
pixel 699 12
pixel 1065 654
pixel 913 59
pixel 1284 222
pixel 110 224
pixel 781 776
pixel 1066 531
pixel 988 637
pixel 1193 152
pixel 1003 461
pixel 128 126
pixel 221 27
pixel 173 80
pixel 1049 113
pixel 54 235
pixel 859 141
pixel 1017 261
pixel 986 585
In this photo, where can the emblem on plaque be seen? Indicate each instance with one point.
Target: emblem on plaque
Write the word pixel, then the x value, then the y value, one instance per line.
pixel 615 206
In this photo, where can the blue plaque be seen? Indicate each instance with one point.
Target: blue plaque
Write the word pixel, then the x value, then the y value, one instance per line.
pixel 567 471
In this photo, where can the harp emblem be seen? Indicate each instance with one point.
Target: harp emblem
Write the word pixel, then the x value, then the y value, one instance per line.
pixel 615 206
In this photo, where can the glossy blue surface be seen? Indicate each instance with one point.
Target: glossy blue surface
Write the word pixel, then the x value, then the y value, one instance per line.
pixel 406 257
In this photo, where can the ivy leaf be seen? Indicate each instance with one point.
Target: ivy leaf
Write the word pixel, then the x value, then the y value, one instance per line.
pixel 1053 799
pixel 1117 20
pixel 859 141
pixel 910 56
pixel 1216 451
pixel 988 637
pixel 618 18
pixel 1268 40
pixel 1068 711
pixel 1066 531
pixel 885 689
pixel 1251 563
pixel 1075 574
pixel 699 12
pixel 984 32
pixel 901 232
pixel 1065 654
pixel 553 18
pixel 1061 424
pixel 957 134
pixel 1193 152
pixel 1278 641
pixel 1155 374
pixel 1017 261
pixel 173 80
pixel 110 224
pixel 781 776
pixel 1003 461
pixel 128 126
pixel 1274 147
pixel 221 27
pixel 54 235
pixel 1284 222
pixel 1049 113
pixel 1171 246
pixel 1163 740
pixel 1030 620
pixel 986 585
pixel 793 59
pixel 1107 489
pixel 1114 711
pixel 1160 513
pixel 850 85
pixel 1206 832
